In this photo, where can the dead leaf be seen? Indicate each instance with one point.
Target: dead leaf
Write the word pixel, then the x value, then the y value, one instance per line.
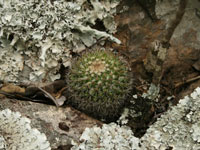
pixel 11 88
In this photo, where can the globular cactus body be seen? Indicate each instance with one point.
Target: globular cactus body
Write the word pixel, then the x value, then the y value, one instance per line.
pixel 98 84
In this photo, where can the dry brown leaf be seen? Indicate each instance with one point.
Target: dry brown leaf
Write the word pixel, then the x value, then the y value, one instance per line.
pixel 11 88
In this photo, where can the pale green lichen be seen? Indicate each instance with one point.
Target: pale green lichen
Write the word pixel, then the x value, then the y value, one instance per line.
pixel 43 34
pixel 153 93
pixel 16 133
pixel 178 128
pixel 109 137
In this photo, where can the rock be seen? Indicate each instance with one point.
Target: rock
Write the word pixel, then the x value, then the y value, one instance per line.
pixel 60 125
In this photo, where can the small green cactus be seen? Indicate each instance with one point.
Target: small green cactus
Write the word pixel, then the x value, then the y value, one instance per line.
pixel 98 84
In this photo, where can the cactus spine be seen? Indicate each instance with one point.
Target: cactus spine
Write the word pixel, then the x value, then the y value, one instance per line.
pixel 98 84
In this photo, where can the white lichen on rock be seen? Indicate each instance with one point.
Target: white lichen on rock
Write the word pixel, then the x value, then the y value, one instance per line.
pixel 178 128
pixel 12 59
pixel 109 137
pixel 123 119
pixel 17 134
pixel 153 93
pixel 42 33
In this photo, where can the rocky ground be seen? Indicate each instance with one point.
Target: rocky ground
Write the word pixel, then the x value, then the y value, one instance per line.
pixel 139 25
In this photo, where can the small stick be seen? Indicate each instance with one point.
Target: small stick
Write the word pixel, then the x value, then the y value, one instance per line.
pixel 187 81
pixel 49 95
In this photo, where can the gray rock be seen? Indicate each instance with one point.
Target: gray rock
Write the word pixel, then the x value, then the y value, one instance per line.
pixel 60 125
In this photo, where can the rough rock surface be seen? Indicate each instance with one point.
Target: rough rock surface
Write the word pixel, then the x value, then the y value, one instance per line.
pixel 188 29
pixel 60 125
pixel 184 51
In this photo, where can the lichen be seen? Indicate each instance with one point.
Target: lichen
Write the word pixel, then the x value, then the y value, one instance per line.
pixel 16 133
pixel 109 137
pixel 178 128
pixel 42 34
pixel 123 119
pixel 152 93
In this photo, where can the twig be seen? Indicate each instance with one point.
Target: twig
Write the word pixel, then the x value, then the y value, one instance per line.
pixel 187 81
pixel 15 95
pixel 157 55
pixel 49 95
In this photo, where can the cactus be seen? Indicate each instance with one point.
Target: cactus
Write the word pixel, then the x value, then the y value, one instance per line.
pixel 98 84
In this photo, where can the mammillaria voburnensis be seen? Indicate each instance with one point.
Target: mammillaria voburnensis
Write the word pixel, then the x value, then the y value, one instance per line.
pixel 98 84
pixel 17 134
